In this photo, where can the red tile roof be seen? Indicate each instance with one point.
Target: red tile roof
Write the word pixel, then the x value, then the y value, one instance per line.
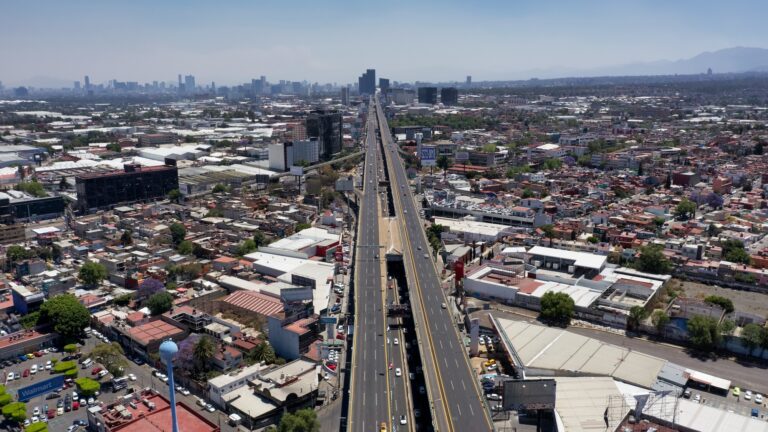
pixel 154 330
pixel 255 302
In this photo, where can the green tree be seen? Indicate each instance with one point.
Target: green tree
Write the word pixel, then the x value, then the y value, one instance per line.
pixel 752 336
pixel 263 353
pixel 704 332
pixel 37 427
pixel 652 260
pixel 443 163
pixel 723 302
pixel 92 273
pixel 174 196
pixel 185 247
pixel 178 233
pixel 33 188
pixel 557 308
pixel 87 386
pixel 15 412
pixel 220 188
pixel 302 226
pixel 111 356
pixel 686 209
pixel 636 315
pixel 659 319
pixel 549 232
pixel 115 147
pixel 246 247
pixel 123 300
pixel 527 193
pixel 259 238
pixel 67 315
pixel 70 348
pixel 16 253
pixel 30 320
pixel 733 251
pixel 303 420
pixel 160 303
pixel 727 327
pixel 64 366
pixel 204 351
pixel 553 164
pixel 5 399
pixel 593 239
pixel 126 239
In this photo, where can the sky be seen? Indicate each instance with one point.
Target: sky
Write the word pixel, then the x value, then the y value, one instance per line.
pixel 232 41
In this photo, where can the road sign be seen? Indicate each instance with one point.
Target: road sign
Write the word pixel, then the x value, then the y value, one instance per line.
pixel 328 320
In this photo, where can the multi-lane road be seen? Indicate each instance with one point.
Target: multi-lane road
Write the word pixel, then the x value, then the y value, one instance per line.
pixel 451 384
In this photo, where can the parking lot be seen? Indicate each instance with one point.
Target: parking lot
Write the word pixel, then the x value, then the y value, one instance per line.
pixel 730 402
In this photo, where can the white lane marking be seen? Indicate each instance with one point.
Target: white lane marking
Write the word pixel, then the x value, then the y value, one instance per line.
pixel 458 407
pixel 457 363
pixel 452 388
pixel 463 385
pixel 472 410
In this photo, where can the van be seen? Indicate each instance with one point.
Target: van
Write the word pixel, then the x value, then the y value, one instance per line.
pixel 87 363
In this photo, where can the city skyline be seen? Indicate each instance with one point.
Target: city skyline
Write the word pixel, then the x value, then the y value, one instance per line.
pixel 426 41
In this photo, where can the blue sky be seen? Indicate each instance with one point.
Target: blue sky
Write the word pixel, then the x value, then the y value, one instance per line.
pixel 335 40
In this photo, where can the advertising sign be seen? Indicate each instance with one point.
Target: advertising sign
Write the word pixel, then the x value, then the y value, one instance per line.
pixel 40 388
pixel 297 170
pixel 462 156
pixel 428 156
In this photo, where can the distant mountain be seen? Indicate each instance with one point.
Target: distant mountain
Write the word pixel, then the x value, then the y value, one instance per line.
pixel 737 59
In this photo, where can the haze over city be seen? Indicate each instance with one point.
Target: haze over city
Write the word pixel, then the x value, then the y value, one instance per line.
pixel 51 43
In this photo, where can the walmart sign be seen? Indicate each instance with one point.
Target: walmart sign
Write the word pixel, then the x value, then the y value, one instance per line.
pixel 41 388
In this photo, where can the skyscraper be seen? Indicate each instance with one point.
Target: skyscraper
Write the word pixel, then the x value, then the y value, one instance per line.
pixel 469 80
pixel 428 95
pixel 326 128
pixel 345 95
pixel 87 82
pixel 384 84
pixel 367 82
pixel 77 85
pixel 189 83
pixel 449 96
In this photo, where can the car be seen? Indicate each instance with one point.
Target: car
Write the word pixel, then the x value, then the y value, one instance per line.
pixel 184 391
pixel 398 372
pixel 60 410
pixel 493 396
pixel 418 247
pixel 74 396
pixel 383 427
pixel 736 391
pixel 48 365
pixel 36 411
pixel 80 422
pixel 35 419
pixel 132 377
pixel 30 356
pixel 403 420
pixel 25 373
pixel 422 390
pixel 412 376
pixel 71 428
pixel 75 405
pixel 417 413
pixel 397 342
pixel 52 395
pixel 748 395
pixel 697 398
pixel 38 353
pixel 96 370
pixel 755 412
pixel 687 394
pixel 442 305
pixel 91 401
pixel 759 399
pixel 51 414
pixel 103 373
pixel 210 408
pixel 10 376
pixel 426 256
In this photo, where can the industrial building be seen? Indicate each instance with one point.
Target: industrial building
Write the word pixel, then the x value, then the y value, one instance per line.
pixel 133 183
pixel 326 127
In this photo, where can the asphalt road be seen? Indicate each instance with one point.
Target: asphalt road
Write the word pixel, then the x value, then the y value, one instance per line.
pixel 370 403
pixel 454 390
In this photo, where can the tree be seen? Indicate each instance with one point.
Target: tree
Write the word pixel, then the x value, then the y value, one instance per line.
pixel 174 196
pixel 123 300
pixel 185 359
pixel 87 386
pixel 92 273
pixel 186 247
pixel 703 332
pixel 37 427
pixel 636 315
pixel 752 336
pixel 302 226
pixel 443 163
pixel 5 399
pixel 652 260
pixel 549 232
pixel 149 287
pixel 758 150
pixel 246 247
pixel 712 230
pixel 303 420
pixel 160 303
pixel 259 239
pixel 219 188
pixel 70 348
pixel 111 356
pixel 733 251
pixel 64 366
pixel 205 349
pixel 659 319
pixel 553 164
pixel 686 209
pixel 15 412
pixel 30 320
pixel 33 188
pixel 178 233
pixel 67 315
pixel 527 193
pixel 16 253
pixel 557 308
pixel 723 302
pixel 727 327
pixel 126 239
pixel 263 353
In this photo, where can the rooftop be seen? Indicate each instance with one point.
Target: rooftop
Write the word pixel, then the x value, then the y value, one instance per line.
pixel 153 331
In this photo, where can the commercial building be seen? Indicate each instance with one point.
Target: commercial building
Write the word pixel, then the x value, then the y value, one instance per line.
pixel 384 85
pixel 402 96
pixel 428 95
pixel 133 183
pixel 449 96
pixel 367 82
pixel 326 127
pixel 153 140
pixel 576 264
pixel 345 95
pixel 24 342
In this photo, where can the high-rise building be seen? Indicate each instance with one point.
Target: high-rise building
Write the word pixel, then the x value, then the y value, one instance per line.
pixel 428 95
pixel 257 86
pixel 345 95
pixel 367 82
pixel 132 183
pixel 87 82
pixel 384 84
pixel 326 128
pixel 449 96
pixel 181 84
pixel 189 83
pixel 77 85
pixel 469 80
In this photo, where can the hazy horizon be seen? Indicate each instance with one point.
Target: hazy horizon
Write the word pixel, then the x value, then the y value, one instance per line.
pixel 232 42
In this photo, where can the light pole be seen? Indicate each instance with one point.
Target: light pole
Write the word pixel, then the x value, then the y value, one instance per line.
pixel 168 350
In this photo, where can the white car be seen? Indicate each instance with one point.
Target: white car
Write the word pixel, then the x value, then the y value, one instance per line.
pixel 210 408
pixel 398 372
pixel 48 365
pixel 10 376
pixel 184 391
pixel 397 342
pixel 132 377
pixel 759 399
pixel 33 370
pixel 748 395
pixel 36 411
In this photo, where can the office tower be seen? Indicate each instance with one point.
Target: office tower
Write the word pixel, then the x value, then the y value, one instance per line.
pixel 257 86
pixel 367 82
pixel 77 85
pixel 325 127
pixel 132 183
pixel 428 95
pixel 168 350
pixel 181 85
pixel 345 95
pixel 87 82
pixel 384 84
pixel 402 96
pixel 469 80
pixel 189 83
pixel 449 96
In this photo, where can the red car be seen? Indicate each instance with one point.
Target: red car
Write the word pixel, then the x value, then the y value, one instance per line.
pixel 51 414
pixel 26 373
pixel 95 370
pixel 75 405
pixel 38 353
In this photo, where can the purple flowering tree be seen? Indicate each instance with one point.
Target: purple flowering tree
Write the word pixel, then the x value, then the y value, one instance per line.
pixel 149 287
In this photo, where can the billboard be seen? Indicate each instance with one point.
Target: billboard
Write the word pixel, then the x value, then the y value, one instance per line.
pixel 297 170
pixel 328 320
pixel 41 388
pixel 428 156
pixel 462 156
pixel 529 394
